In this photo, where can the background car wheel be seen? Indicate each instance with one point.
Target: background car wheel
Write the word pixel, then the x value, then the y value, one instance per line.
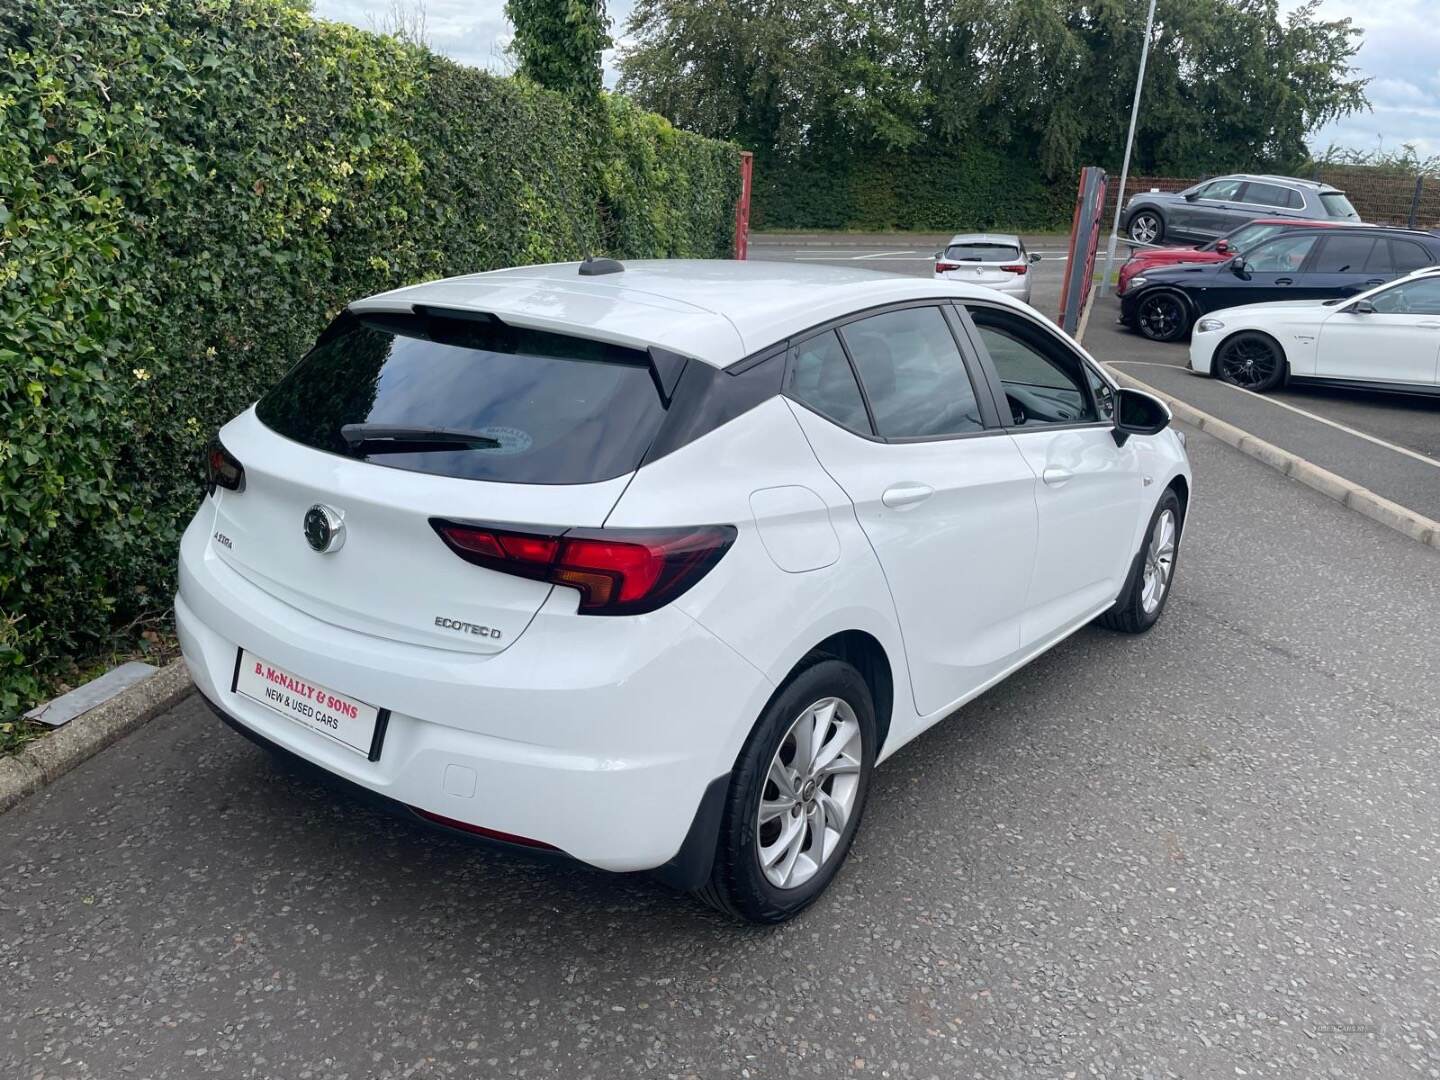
pixel 796 796
pixel 1152 574
pixel 1250 360
pixel 1162 316
pixel 1147 227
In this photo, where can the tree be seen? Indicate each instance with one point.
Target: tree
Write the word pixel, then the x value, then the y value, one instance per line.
pixel 558 43
pixel 1230 84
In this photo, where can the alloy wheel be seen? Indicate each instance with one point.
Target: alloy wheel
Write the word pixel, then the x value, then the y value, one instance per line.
pixel 1247 362
pixel 1145 228
pixel 1159 562
pixel 1161 317
pixel 809 793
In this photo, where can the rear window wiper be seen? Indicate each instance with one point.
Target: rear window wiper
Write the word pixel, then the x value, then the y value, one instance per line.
pixel 399 439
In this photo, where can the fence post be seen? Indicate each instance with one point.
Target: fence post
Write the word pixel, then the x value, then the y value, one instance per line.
pixel 742 206
pixel 1415 199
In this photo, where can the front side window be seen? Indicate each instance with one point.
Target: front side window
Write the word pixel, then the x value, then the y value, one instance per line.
pixel 818 375
pixel 1344 254
pixel 1421 297
pixel 1284 254
pixel 471 399
pixel 913 374
pixel 1247 236
pixel 1222 189
pixel 1045 381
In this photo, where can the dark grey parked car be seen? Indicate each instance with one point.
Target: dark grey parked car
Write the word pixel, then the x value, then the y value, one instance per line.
pixel 1213 207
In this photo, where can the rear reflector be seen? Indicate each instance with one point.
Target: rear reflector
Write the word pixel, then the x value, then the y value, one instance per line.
pixel 616 571
pixel 480 830
pixel 222 469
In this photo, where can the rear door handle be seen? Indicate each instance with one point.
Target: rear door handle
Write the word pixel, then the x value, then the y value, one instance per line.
pixel 1055 476
pixel 1283 280
pixel 898 496
pixel 1430 325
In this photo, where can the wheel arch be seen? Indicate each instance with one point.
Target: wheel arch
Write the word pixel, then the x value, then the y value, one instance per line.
pixel 1237 332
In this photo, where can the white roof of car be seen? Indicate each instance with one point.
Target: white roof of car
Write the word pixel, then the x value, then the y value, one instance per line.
pixel 717 310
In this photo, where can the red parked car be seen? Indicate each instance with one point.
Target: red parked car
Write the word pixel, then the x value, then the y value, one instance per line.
pixel 1232 243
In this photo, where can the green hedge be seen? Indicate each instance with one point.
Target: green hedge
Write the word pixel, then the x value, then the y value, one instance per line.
pixel 188 192
pixel 977 189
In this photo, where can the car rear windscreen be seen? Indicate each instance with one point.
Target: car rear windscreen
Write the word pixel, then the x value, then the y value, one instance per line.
pixel 540 408
pixel 982 253
pixel 1337 205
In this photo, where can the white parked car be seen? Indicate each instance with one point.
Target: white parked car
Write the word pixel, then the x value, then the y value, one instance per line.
pixel 998 261
pixel 1385 339
pixel 652 565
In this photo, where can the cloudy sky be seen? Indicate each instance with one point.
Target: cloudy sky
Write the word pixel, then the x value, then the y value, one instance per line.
pixel 1399 53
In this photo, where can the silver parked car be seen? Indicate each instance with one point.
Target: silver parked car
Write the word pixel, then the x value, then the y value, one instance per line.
pixel 998 261
pixel 1213 207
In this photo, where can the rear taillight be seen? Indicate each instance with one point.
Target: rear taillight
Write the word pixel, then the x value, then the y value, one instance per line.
pixel 1015 268
pixel 222 470
pixel 616 571
pixel 941 267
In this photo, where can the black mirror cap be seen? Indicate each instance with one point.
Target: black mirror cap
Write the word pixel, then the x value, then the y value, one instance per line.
pixel 1238 268
pixel 1138 413
pixel 1191 196
pixel 1034 256
pixel 1362 307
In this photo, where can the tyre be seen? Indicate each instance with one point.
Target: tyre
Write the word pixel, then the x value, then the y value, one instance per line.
pixel 1250 360
pixel 796 796
pixel 1147 227
pixel 1163 316
pixel 1152 574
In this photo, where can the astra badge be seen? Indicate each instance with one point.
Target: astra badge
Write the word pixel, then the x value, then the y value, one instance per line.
pixel 324 528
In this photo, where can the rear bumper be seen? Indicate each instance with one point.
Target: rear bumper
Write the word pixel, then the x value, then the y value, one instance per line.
pixel 598 737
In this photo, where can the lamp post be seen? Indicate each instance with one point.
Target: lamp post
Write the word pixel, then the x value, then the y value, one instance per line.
pixel 1129 143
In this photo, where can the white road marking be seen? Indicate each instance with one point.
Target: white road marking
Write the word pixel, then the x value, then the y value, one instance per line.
pixel 886 254
pixel 1416 454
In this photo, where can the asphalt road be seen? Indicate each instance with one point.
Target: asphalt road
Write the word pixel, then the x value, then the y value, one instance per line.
pixel 1388 443
pixel 1205 852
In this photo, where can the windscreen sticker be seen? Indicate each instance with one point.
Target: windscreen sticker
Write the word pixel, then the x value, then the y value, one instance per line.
pixel 512 440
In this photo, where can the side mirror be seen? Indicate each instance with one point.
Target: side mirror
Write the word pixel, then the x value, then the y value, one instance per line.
pixel 1034 257
pixel 1222 247
pixel 1191 196
pixel 1138 413
pixel 1239 269
pixel 939 255
pixel 1361 307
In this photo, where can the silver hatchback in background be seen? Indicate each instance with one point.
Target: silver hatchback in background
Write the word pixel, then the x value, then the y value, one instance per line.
pixel 997 261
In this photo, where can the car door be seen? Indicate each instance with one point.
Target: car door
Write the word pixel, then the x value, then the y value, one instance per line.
pixel 943 494
pixel 1090 495
pixel 1345 264
pixel 1213 214
pixel 1269 271
pixel 1398 341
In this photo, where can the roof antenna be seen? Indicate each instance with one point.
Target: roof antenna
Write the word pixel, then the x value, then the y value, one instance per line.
pixel 592 267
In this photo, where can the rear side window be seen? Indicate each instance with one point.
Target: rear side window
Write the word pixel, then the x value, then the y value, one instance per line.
pixel 542 408
pixel 1337 205
pixel 913 374
pixel 1406 256
pixel 1343 254
pixel 982 253
pixel 819 376
pixel 1265 194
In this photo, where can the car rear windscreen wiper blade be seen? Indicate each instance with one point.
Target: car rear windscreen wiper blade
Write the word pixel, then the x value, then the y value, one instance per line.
pixel 399 439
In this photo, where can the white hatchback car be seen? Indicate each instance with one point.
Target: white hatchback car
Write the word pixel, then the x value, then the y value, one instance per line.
pixel 998 261
pixel 651 565
pixel 1387 338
